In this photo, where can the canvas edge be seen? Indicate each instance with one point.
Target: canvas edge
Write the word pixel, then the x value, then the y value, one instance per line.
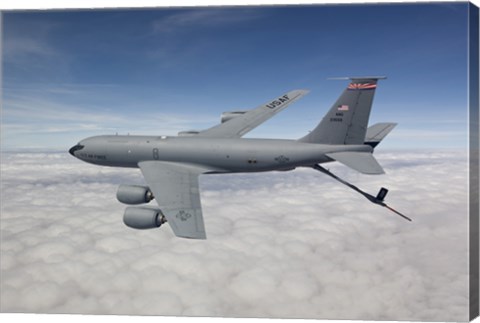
pixel 473 84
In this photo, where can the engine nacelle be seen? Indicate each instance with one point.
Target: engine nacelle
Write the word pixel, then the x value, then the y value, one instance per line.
pixel 230 115
pixel 134 194
pixel 143 218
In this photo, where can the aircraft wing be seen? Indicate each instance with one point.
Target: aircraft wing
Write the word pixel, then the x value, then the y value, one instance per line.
pixel 242 124
pixel 175 188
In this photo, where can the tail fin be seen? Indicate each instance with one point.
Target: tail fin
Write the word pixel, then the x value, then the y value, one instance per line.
pixel 346 122
pixel 377 132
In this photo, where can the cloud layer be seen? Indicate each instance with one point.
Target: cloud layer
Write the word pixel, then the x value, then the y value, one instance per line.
pixel 291 245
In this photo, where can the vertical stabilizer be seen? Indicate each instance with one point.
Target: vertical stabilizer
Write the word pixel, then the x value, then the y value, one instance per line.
pixel 346 121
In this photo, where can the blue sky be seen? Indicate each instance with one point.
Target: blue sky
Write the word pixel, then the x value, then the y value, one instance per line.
pixel 72 74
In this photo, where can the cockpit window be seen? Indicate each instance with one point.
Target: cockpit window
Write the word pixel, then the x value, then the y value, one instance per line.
pixel 75 148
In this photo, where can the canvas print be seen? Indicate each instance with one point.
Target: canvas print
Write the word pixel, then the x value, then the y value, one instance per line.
pixel 303 161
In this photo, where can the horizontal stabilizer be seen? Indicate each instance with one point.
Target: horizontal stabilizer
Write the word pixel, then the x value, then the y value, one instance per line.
pixel 362 162
pixel 377 132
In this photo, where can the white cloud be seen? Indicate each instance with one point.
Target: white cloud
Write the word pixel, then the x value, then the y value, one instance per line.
pixel 27 46
pixel 27 40
pixel 36 111
pixel 293 244
pixel 36 120
pixel 213 17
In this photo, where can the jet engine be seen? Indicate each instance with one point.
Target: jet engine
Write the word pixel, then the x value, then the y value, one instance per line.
pixel 231 114
pixel 134 194
pixel 143 218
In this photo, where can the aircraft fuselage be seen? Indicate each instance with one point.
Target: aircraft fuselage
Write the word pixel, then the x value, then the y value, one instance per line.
pixel 225 155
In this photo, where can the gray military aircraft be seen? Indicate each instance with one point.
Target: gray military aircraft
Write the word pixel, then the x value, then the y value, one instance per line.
pixel 171 165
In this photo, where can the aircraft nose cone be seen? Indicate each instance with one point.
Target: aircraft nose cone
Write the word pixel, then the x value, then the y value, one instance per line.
pixel 74 149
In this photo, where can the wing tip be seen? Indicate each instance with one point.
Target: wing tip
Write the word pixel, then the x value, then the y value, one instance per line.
pixel 298 93
pixel 303 91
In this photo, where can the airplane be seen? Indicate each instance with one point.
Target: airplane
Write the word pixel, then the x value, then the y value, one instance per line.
pixel 171 165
